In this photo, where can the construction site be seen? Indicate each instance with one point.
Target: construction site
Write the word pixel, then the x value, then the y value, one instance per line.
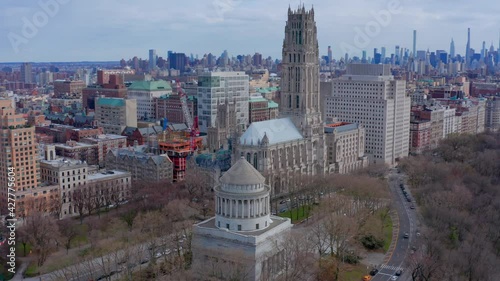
pixel 180 145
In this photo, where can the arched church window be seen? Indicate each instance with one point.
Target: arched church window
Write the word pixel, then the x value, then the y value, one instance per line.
pixel 255 160
pixel 297 102
pixel 248 157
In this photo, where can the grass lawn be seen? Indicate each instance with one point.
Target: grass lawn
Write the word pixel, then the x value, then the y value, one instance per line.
pixel 303 212
pixel 20 249
pixel 81 239
pixel 353 273
pixel 32 270
pixel 387 233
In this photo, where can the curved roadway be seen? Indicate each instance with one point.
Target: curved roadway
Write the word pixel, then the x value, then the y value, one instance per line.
pixel 407 224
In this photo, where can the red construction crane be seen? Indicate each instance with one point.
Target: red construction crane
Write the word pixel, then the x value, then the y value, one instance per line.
pixel 192 125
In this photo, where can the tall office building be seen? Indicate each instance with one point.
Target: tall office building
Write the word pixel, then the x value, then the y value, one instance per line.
pixel 468 54
pixel 217 87
pixel 18 151
pixel 177 61
pixel 152 59
pixel 397 54
pixel 414 52
pixel 330 56
pixel 483 51
pixel 383 54
pixel 452 49
pixel 369 95
pixel 26 73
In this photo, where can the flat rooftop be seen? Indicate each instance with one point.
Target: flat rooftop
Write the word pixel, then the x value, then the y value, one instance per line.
pixel 77 145
pixel 59 162
pixel 109 174
pixel 105 137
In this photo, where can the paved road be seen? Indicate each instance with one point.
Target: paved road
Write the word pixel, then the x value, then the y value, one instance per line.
pixel 407 224
pixel 109 267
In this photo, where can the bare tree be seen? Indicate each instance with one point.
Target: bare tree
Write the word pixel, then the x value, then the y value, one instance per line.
pixel 68 232
pixel 79 202
pixel 43 234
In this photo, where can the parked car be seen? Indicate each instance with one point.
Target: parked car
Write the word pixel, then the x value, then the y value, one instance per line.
pixel 408 199
pixel 406 235
pixel 374 272
pixel 412 206
pixel 394 278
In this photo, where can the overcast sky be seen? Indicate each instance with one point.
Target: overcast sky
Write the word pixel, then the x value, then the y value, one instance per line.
pixel 113 29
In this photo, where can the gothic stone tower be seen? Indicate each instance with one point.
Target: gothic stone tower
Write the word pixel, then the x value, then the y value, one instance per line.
pixel 300 73
pixel 300 98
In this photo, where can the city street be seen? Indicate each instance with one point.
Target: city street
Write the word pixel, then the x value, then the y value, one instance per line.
pixel 407 224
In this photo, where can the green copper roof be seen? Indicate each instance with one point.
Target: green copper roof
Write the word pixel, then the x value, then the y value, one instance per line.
pixel 256 99
pixel 110 102
pixel 267 90
pixel 160 85
pixel 272 104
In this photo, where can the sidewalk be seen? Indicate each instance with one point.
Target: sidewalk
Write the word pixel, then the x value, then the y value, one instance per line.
pixel 395 235
pixel 25 261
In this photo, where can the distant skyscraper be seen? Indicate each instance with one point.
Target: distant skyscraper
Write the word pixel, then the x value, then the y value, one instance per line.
pixel 26 73
pixel 177 61
pixel 468 54
pixel 152 59
pixel 414 52
pixel 483 51
pixel 329 54
pixel 383 52
pixel 396 53
pixel 452 49
pixel 363 59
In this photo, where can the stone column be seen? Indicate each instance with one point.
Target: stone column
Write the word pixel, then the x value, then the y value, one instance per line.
pixel 230 208
pixel 236 204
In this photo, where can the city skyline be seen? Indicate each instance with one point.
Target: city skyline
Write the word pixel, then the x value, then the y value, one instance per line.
pixel 240 27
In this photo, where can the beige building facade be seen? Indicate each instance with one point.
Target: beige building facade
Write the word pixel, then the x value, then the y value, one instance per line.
pixel 114 114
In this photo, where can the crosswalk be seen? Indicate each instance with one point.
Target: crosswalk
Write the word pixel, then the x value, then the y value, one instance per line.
pixel 390 267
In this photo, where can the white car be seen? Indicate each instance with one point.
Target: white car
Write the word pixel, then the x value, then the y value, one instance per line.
pixel 394 278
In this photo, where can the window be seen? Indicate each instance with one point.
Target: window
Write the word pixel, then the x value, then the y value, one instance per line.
pixel 257 226
pixel 297 101
pixel 227 225
pixel 239 227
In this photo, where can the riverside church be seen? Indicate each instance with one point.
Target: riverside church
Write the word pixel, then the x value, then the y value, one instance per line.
pixel 244 241
pixel 295 143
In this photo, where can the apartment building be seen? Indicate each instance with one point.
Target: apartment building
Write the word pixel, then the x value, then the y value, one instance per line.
pixel 370 96
pixel 346 146
pixel 214 88
pixel 114 114
pixel 18 151
pixel 145 93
